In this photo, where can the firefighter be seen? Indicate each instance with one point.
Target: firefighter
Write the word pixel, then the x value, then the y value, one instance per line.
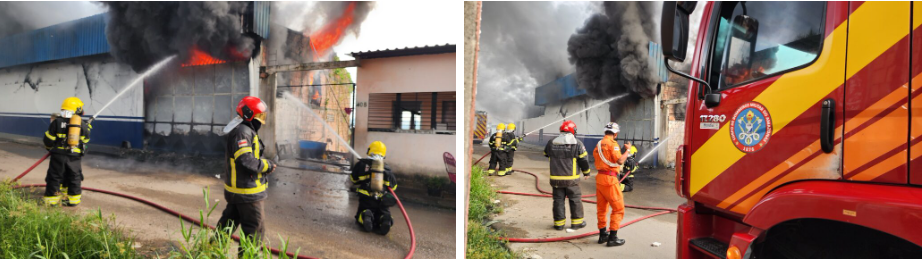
pixel 566 154
pixel 247 176
pixel 629 168
pixel 373 214
pixel 512 144
pixel 497 152
pixel 609 162
pixel 64 171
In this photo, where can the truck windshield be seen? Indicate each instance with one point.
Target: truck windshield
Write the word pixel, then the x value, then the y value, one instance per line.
pixel 758 39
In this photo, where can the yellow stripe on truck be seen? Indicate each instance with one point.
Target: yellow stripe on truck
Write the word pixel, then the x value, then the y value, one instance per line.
pixel 811 83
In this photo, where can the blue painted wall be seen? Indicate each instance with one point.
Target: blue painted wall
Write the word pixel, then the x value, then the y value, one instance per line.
pixel 106 130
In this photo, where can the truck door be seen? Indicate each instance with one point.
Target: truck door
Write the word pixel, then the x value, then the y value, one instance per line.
pixel 779 68
pixel 877 90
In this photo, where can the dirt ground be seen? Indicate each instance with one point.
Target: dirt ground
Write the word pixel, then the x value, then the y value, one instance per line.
pixel 313 210
pixel 530 217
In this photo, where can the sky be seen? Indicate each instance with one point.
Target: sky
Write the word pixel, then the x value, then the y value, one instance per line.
pixel 523 45
pixel 391 24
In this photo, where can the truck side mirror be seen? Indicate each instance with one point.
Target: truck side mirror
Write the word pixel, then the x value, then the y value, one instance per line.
pixel 712 100
pixel 674 28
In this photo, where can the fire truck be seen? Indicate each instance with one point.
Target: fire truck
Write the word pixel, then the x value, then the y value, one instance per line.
pixel 803 128
pixel 480 130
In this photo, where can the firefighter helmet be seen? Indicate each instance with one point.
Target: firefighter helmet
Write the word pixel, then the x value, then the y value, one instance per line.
pixel 569 126
pixel 251 108
pixel 612 127
pixel 511 126
pixel 633 150
pixel 377 147
pixel 501 127
pixel 73 104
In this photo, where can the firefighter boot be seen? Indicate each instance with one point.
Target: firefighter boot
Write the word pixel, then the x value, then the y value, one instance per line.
pixel 614 239
pixel 385 225
pixel 603 236
pixel 72 201
pixel 366 220
pixel 578 226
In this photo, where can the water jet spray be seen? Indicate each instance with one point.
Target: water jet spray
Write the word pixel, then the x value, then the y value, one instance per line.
pixel 579 112
pixel 133 83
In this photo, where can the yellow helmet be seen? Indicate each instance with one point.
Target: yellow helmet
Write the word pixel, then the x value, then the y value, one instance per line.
pixel 377 147
pixel 633 149
pixel 501 126
pixel 73 104
pixel 511 126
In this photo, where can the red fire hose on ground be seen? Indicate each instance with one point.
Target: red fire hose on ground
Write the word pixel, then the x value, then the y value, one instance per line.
pixel 546 194
pixel 413 238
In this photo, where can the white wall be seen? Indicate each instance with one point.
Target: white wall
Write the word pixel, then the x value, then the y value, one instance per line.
pixel 408 153
pixel 63 79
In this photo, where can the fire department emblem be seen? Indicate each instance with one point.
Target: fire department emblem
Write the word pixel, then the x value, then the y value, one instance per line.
pixel 751 127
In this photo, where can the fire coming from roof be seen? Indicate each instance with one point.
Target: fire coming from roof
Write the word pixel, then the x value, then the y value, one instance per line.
pixel 143 33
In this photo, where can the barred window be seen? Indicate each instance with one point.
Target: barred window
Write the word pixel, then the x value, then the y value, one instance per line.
pixel 415 111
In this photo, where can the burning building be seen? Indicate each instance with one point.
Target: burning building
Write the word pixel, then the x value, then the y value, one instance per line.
pixel 643 121
pixel 183 107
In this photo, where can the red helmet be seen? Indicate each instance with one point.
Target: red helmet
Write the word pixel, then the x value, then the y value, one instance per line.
pixel 250 108
pixel 569 126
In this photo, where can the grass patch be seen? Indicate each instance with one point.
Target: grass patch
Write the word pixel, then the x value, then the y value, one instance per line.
pixel 201 242
pixel 481 239
pixel 31 230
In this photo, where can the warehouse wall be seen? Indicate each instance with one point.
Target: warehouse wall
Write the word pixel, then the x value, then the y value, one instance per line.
pixel 29 94
pixel 408 153
pixel 188 107
pixel 637 122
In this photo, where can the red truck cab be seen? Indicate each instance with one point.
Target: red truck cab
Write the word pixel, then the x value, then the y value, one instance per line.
pixel 803 129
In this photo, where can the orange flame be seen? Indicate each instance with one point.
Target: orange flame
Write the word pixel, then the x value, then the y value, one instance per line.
pixel 330 34
pixel 199 58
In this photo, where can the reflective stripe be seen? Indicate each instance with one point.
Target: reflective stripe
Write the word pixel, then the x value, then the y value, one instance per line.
pixel 256 145
pixel 90 126
pixel 51 200
pixel 242 151
pixel 361 178
pixel 559 222
pixel 361 191
pixel 62 135
pixel 572 177
pixel 77 150
pixel 587 171
pixel 50 136
pixel 73 199
pixel 605 160
pixel 576 221
pixel 265 165
pixel 582 155
pixel 255 190
pixel 84 139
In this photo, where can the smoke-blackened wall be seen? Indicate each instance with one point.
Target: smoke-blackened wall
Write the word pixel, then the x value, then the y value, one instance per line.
pixel 143 33
pixel 610 51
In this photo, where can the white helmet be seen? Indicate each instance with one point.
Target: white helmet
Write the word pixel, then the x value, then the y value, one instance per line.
pixel 612 127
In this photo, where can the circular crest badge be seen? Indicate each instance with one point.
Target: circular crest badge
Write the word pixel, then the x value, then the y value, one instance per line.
pixel 751 127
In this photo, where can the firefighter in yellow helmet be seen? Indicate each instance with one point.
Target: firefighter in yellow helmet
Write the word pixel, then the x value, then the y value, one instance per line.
pixel 374 178
pixel 498 147
pixel 66 140
pixel 512 142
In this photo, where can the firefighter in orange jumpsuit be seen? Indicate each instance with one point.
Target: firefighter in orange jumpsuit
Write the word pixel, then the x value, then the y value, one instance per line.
pixel 609 160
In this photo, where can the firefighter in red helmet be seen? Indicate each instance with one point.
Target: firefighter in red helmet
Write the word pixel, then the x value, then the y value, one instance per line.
pixel 566 154
pixel 246 178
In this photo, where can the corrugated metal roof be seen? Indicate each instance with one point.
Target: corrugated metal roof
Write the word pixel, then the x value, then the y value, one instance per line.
pixel 81 37
pixel 559 89
pixel 408 51
pixel 261 12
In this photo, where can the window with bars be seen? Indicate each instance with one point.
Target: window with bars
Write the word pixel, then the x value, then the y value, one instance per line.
pixel 408 112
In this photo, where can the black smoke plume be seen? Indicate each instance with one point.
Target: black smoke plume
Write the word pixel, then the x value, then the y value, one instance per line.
pixel 143 33
pixel 610 52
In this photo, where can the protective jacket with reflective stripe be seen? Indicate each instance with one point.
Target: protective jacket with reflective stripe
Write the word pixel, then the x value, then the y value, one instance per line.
pixel 511 140
pixel 246 179
pixel 361 174
pixel 566 155
pixel 493 142
pixel 55 138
